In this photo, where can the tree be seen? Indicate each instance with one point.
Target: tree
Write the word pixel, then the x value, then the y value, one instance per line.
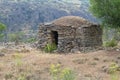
pixel 108 11
pixel 2 28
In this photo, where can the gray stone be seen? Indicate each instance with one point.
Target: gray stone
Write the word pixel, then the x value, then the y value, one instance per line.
pixel 75 51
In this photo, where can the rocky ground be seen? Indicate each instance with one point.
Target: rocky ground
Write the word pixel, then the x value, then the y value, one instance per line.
pixel 25 63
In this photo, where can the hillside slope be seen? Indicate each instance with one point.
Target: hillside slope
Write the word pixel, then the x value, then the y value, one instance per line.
pixel 21 14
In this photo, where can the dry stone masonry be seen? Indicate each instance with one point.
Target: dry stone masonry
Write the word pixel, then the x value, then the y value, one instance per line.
pixel 70 33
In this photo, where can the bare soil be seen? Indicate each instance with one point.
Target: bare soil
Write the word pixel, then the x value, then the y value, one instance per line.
pixel 35 64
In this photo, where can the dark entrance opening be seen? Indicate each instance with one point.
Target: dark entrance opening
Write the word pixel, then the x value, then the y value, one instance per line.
pixel 54 37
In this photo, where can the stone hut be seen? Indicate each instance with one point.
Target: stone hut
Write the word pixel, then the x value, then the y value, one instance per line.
pixel 70 33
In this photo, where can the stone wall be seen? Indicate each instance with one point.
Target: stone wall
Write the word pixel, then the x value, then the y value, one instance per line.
pixel 91 36
pixel 70 38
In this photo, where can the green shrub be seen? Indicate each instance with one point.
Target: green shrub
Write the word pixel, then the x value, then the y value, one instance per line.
pixel 111 43
pixel 61 74
pixel 55 71
pixel 67 74
pixel 2 29
pixel 22 77
pixel 113 71
pixel 50 48
pixel 113 68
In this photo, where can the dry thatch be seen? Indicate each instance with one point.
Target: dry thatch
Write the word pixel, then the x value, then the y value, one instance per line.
pixel 74 21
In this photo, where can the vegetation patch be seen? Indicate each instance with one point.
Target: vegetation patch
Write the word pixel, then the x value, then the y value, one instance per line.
pixel 113 68
pixel 111 43
pixel 50 48
pixel 58 73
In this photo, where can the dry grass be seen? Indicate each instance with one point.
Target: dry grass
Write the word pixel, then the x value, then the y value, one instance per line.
pixel 34 65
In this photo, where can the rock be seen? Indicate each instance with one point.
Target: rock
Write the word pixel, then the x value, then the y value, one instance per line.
pixel 78 52
pixel 118 57
pixel 118 50
pixel 75 51
pixel 1 54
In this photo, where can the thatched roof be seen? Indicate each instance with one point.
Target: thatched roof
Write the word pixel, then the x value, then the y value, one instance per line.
pixel 73 21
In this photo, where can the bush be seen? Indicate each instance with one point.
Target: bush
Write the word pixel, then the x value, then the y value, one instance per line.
pixel 55 71
pixel 2 29
pixel 111 43
pixel 50 48
pixel 61 74
pixel 113 68
pixel 113 71
pixel 67 74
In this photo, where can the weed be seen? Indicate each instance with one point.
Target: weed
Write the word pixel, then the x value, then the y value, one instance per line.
pixel 50 48
pixel 113 68
pixel 55 71
pixel 8 76
pixel 22 76
pixel 67 74
pixel 61 74
pixel 115 76
pixel 18 61
pixel 111 43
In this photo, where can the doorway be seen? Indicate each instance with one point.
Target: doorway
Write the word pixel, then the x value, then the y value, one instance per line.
pixel 54 37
